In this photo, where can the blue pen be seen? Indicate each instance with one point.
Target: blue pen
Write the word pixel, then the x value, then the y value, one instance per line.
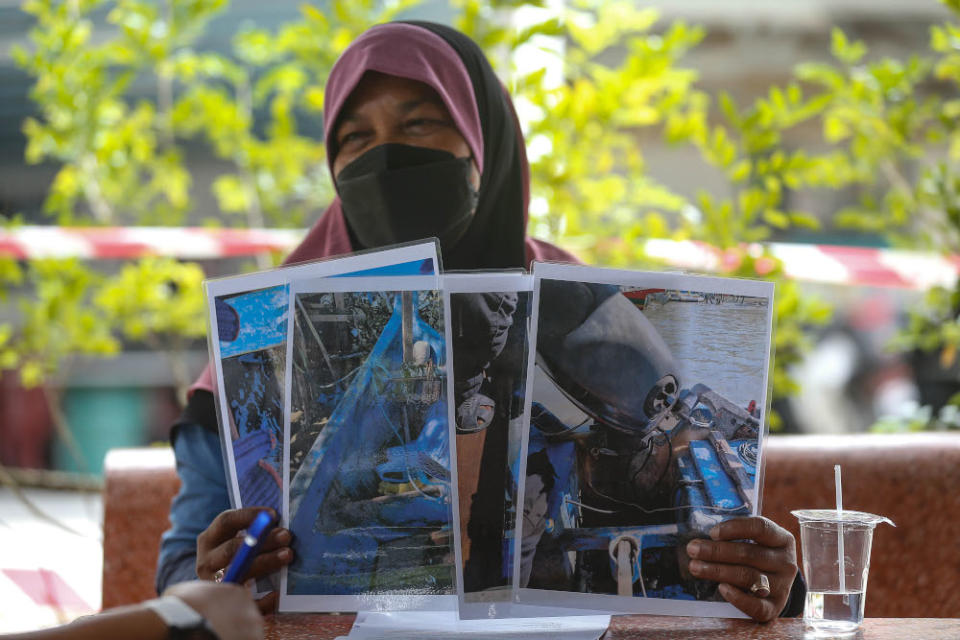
pixel 255 534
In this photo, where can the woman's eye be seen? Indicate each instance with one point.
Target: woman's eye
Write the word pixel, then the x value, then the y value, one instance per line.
pixel 422 125
pixel 351 137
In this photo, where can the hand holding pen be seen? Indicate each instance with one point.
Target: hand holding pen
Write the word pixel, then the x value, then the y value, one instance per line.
pixel 220 542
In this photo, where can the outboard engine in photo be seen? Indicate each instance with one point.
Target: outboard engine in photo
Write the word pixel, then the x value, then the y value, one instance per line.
pixel 641 464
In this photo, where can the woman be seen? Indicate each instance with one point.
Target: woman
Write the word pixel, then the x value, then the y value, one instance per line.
pixel 422 140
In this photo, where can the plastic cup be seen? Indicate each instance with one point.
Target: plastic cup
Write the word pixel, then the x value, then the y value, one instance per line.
pixel 828 610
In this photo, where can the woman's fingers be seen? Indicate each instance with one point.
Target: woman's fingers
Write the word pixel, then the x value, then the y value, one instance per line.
pixel 226 526
pixel 277 539
pixel 269 562
pixel 760 609
pixel 762 530
pixel 742 553
pixel 274 554
pixel 738 565
pixel 735 574
pixel 219 542
pixel 212 560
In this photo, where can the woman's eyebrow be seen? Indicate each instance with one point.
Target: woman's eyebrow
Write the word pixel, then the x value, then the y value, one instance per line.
pixel 410 105
pixel 348 115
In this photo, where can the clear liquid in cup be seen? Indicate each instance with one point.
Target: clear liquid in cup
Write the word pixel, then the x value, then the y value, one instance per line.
pixel 834 612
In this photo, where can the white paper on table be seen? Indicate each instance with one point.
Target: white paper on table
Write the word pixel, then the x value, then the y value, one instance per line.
pixel 407 625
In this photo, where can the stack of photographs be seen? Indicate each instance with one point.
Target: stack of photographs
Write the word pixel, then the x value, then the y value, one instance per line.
pixel 502 444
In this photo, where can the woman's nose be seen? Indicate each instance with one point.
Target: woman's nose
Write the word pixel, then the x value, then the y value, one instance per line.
pixel 388 136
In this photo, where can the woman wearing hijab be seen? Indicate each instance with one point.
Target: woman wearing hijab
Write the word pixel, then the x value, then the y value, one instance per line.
pixel 422 140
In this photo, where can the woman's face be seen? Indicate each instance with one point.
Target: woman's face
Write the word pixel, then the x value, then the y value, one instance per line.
pixel 387 109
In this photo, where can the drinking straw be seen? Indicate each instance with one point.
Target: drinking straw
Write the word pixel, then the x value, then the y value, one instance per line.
pixel 843 577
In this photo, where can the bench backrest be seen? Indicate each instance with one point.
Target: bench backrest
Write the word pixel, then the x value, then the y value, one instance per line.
pixel 139 486
pixel 912 479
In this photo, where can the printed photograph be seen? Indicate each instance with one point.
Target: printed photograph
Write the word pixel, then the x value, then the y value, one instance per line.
pixel 252 327
pixel 645 432
pixel 252 332
pixel 369 484
pixel 489 343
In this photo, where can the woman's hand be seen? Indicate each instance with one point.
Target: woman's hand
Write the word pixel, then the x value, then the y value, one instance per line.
pixel 227 608
pixel 738 566
pixel 217 545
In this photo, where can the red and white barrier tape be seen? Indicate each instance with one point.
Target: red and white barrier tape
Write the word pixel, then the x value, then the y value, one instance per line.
pixel 808 262
pixel 190 243
pixel 830 264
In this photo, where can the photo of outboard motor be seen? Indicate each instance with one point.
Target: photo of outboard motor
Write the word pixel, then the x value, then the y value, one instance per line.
pixel 625 465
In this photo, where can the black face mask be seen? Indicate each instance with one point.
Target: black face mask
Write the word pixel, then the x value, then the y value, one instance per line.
pixel 399 193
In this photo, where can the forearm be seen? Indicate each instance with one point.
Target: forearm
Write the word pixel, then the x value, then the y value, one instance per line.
pixel 203 495
pixel 176 566
pixel 121 623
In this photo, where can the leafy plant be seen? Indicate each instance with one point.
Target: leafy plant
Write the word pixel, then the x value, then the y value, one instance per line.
pixel 589 185
pixel 935 327
pixel 896 126
pixel 158 302
pixel 257 110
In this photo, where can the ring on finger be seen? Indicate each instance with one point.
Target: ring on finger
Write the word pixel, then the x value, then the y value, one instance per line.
pixel 218 576
pixel 761 588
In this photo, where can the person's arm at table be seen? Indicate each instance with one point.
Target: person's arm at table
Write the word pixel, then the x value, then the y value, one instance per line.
pixel 203 533
pixel 227 608
pixel 726 558
pixel 202 496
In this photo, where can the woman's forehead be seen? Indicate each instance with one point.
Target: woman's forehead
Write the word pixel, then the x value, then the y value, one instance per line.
pixel 383 90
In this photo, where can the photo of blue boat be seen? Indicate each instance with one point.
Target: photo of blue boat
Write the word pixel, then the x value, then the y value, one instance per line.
pixel 251 326
pixel 370 474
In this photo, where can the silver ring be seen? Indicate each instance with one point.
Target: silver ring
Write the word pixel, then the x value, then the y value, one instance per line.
pixel 218 576
pixel 761 588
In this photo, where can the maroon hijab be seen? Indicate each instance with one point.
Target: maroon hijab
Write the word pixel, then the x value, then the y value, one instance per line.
pixel 429 53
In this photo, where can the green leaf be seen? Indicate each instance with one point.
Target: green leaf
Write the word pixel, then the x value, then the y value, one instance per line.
pixel 740 171
pixel 551 27
pixel 847 52
pixel 729 108
pixel 835 129
pixel 231 192
pixel 776 218
pixel 804 220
